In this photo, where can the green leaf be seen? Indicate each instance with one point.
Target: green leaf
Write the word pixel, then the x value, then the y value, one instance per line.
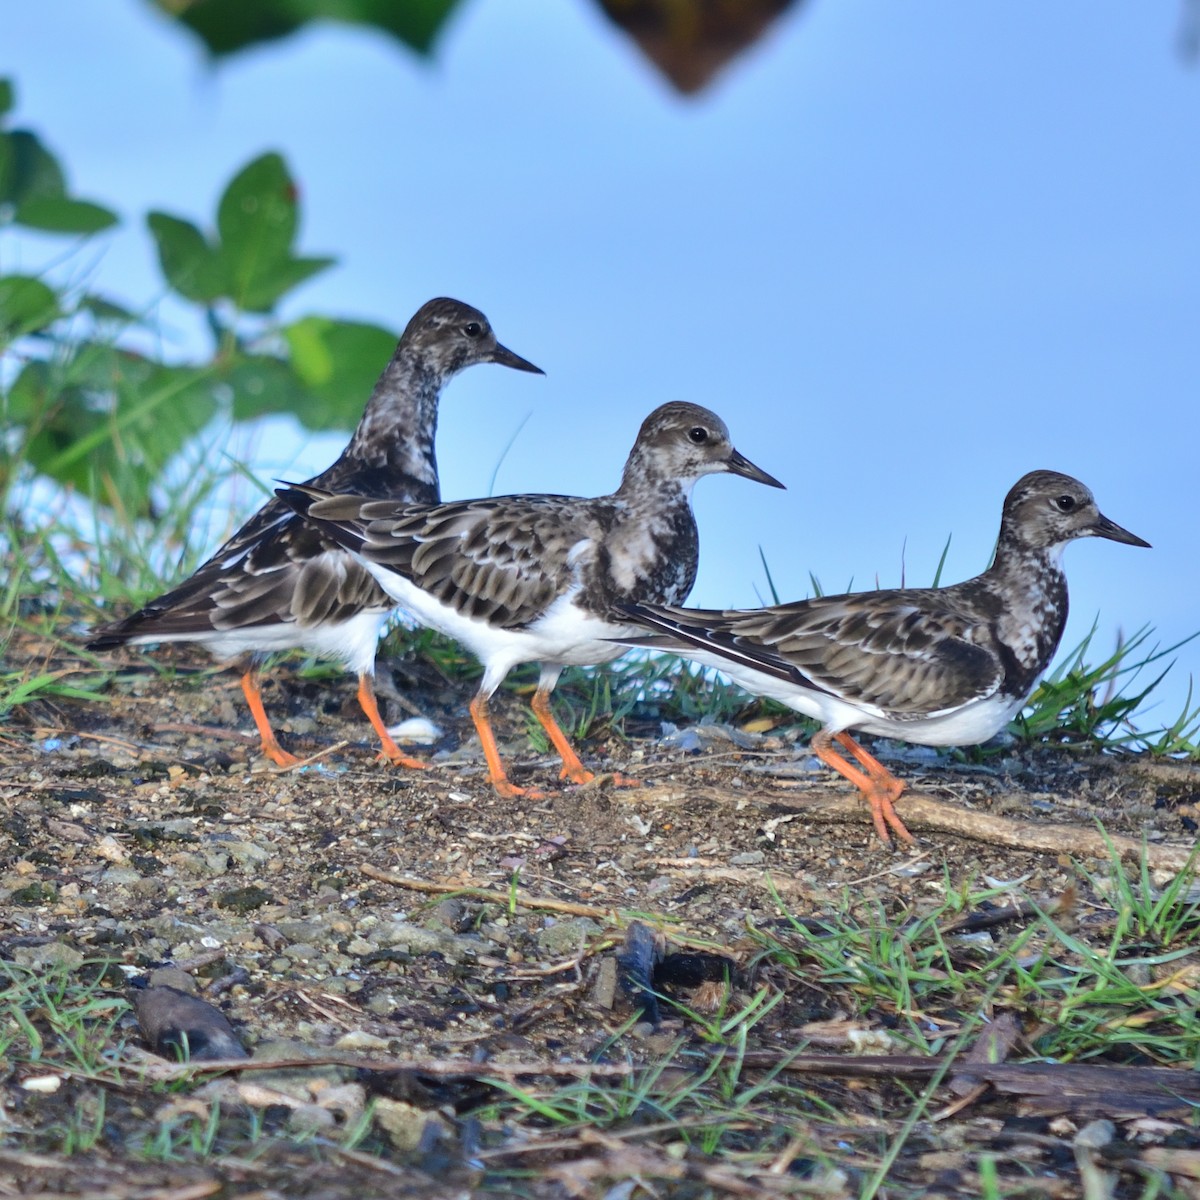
pixel 58 214
pixel 262 384
pixel 416 23
pixel 338 362
pixel 256 217
pixel 26 304
pixel 264 291
pixel 104 308
pixel 190 265
pixel 107 421
pixel 33 187
pixel 257 220
pixel 8 96
pixel 28 171
pixel 227 26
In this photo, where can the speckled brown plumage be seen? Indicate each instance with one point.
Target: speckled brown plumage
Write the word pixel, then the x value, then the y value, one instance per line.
pixel 937 666
pixel 541 578
pixel 280 583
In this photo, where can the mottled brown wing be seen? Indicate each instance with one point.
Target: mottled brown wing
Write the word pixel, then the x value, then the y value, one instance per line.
pixel 502 560
pixel 276 569
pixel 898 651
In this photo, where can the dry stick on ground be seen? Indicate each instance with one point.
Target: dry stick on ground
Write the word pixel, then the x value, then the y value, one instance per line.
pixel 927 815
pixel 127 1191
pixel 611 914
pixel 973 922
pixel 442 1068
pixel 209 731
pixel 699 868
pixel 1077 1087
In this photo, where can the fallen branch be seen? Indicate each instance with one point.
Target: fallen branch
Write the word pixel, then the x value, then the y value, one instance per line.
pixel 441 1068
pixel 927 815
pixel 974 922
pixel 207 731
pixel 1080 1088
pixel 613 916
pixel 700 870
pixel 1057 1087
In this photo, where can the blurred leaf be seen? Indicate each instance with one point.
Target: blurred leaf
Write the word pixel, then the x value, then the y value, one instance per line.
pixel 265 290
pixel 26 304
pixel 263 384
pixel 690 41
pixel 226 26
pixel 257 219
pixel 8 96
pixel 28 171
pixel 109 418
pixel 339 362
pixel 33 184
pixel 106 309
pixel 58 214
pixel 191 266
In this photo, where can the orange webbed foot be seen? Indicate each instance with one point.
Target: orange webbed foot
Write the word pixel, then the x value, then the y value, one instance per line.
pixel 510 791
pixel 885 817
pixel 279 756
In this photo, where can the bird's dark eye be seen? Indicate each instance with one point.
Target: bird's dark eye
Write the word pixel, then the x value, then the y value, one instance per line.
pixel 1065 503
pixel 472 329
pixel 699 435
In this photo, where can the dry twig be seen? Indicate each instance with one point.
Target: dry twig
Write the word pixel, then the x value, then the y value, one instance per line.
pixel 614 916
pixel 928 815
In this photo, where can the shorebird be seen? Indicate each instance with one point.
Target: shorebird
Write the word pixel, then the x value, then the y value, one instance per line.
pixel 947 666
pixel 279 583
pixel 540 578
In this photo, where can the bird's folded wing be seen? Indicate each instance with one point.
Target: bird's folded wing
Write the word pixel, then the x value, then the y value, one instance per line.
pixel 891 654
pixel 502 560
pixel 275 570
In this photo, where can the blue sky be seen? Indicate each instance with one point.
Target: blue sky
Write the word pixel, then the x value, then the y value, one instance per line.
pixel 908 252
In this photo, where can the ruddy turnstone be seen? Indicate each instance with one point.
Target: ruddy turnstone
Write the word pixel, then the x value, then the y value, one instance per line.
pixel 945 666
pixel 281 584
pixel 539 578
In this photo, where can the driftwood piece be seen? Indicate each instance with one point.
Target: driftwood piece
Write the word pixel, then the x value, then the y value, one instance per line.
pixel 925 814
pixel 1082 1089
pixel 993 1045
pixel 989 918
pixel 1086 1089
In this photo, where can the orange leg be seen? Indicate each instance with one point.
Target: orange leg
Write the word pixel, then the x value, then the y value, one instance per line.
pixel 879 786
pixel 497 776
pixel 392 752
pixel 270 744
pixel 572 768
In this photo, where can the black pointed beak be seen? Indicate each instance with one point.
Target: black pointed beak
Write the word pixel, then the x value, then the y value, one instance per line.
pixel 739 464
pixel 1105 528
pixel 506 358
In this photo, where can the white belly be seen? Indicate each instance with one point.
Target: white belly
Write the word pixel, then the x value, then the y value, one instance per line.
pixel 564 635
pixel 352 643
pixel 968 725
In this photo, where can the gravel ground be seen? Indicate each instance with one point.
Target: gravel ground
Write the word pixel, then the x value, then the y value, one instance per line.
pixel 148 830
